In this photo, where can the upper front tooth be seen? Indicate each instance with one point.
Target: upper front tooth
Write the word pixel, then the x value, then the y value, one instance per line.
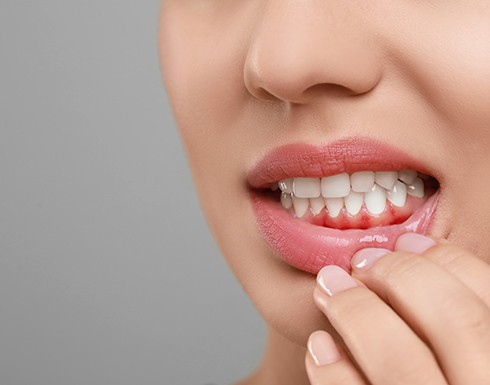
pixel 417 188
pixel 386 179
pixel 286 185
pixel 375 200
pixel 407 176
pixel 336 186
pixel 306 187
pixel 362 181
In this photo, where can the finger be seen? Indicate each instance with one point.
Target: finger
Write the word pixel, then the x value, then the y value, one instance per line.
pixel 461 263
pixel 385 348
pixel 442 310
pixel 327 364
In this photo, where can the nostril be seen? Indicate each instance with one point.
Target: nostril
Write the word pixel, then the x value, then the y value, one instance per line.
pixel 276 81
pixel 262 94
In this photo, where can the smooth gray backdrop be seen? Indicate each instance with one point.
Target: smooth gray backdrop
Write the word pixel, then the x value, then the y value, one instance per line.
pixel 108 274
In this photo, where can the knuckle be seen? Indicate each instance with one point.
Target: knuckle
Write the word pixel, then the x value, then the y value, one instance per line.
pixel 398 267
pixel 471 316
pixel 414 373
pixel 420 369
pixel 350 306
pixel 449 256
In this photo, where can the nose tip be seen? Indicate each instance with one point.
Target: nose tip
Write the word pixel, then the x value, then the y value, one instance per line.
pixel 297 78
pixel 296 55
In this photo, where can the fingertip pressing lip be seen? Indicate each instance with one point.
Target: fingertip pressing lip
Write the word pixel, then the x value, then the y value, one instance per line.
pixel 366 258
pixel 414 242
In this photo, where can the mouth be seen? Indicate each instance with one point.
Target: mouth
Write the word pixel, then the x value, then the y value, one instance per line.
pixel 318 205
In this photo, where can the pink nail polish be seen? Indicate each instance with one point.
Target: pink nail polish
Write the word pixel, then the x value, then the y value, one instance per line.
pixel 365 258
pixel 322 348
pixel 413 242
pixel 333 279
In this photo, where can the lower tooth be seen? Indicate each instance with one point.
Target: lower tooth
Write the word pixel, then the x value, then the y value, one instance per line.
pixel 398 195
pixel 353 202
pixel 375 200
pixel 300 206
pixel 334 205
pixel 286 201
pixel 317 205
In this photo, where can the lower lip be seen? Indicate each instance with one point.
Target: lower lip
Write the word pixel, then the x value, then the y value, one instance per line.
pixel 309 248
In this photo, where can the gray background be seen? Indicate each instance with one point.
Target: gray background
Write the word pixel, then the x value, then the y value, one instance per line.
pixel 108 274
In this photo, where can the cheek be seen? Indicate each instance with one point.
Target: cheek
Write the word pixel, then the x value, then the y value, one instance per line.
pixel 463 82
pixel 448 62
pixel 451 64
pixel 204 79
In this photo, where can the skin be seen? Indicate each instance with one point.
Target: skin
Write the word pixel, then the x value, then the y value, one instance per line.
pixel 244 77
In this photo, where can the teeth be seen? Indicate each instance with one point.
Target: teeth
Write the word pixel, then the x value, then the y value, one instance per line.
pixel 417 188
pixel 286 185
pixel 336 186
pixel 398 194
pixel 386 179
pixel 317 205
pixel 407 176
pixel 334 205
pixel 300 206
pixel 334 192
pixel 362 181
pixel 286 201
pixel 353 202
pixel 306 187
pixel 375 200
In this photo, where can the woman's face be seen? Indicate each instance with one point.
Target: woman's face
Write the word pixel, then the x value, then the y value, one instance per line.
pixel 269 90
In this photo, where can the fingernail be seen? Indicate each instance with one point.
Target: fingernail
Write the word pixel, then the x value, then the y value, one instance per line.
pixel 322 348
pixel 413 242
pixel 365 258
pixel 333 279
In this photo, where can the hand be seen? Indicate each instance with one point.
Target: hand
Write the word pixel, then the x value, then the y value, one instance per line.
pixel 419 315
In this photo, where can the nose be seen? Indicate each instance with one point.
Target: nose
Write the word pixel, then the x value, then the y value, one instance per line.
pixel 304 48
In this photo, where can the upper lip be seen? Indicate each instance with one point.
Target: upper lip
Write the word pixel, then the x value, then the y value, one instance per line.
pixel 343 155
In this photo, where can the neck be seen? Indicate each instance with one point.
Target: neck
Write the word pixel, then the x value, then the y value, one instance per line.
pixel 283 364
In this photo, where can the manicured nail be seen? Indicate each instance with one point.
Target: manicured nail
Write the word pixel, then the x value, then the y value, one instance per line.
pixel 413 242
pixel 322 348
pixel 365 258
pixel 333 279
